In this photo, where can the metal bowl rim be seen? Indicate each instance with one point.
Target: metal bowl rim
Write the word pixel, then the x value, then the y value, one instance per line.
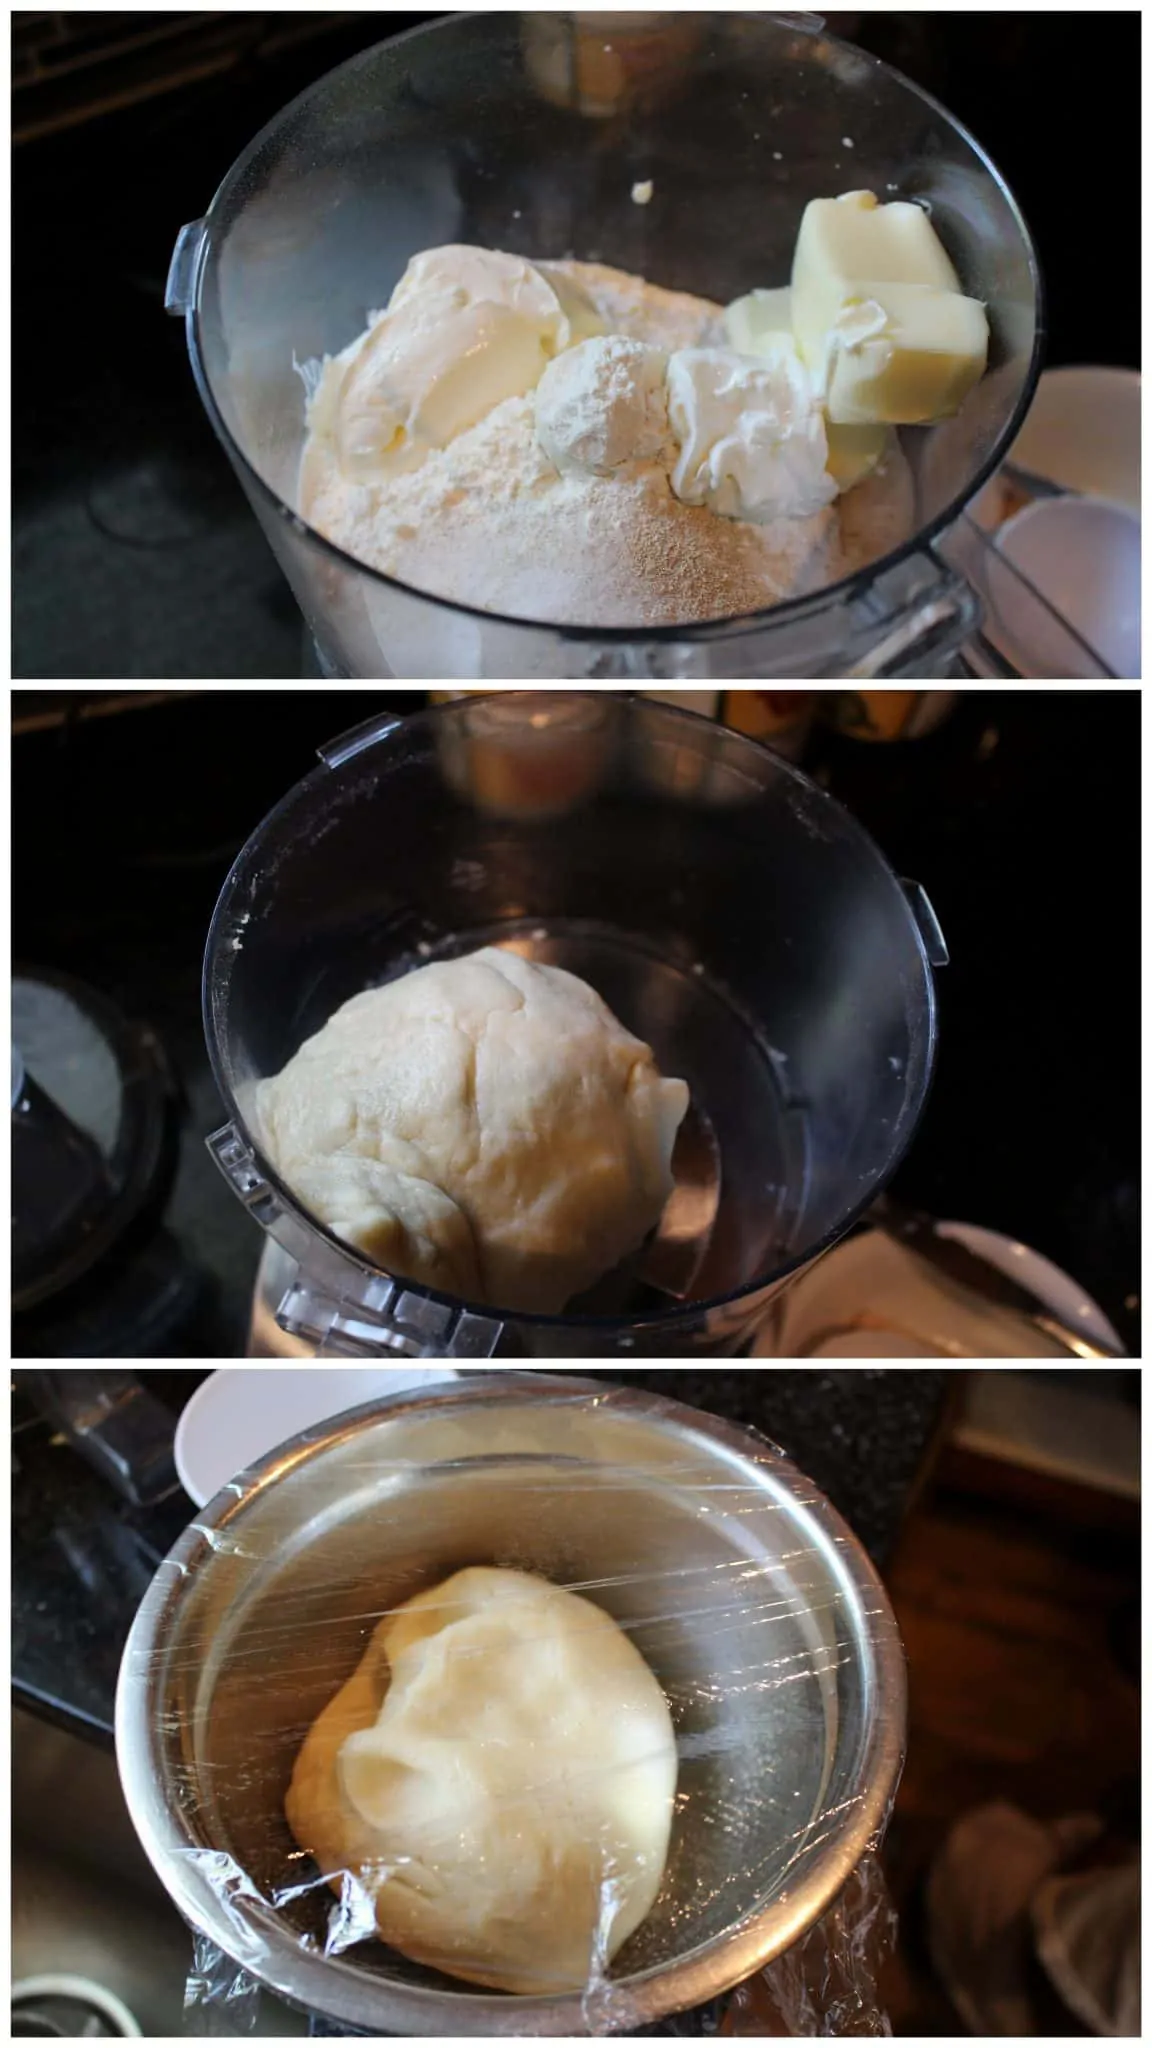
pixel 342 1991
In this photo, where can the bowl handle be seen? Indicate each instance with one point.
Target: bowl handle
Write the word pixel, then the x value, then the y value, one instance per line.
pixel 927 923
pixel 932 611
pixel 183 270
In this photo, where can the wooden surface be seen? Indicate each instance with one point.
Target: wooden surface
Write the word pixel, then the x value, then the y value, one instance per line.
pixel 1020 1618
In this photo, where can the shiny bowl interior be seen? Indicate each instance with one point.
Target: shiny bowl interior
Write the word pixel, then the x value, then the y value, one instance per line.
pixel 751 1601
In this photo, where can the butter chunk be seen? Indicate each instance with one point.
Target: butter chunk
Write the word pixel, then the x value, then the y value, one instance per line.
pixel 903 354
pixel 759 319
pixel 851 242
pixel 853 453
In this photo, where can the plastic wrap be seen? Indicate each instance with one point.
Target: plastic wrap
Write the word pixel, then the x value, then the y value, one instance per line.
pixel 749 1601
pixel 827 1983
pixel 825 1986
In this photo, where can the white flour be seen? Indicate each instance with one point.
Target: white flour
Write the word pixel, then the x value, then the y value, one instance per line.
pixel 489 522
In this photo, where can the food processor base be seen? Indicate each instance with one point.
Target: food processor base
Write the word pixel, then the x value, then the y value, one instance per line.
pixel 274 1276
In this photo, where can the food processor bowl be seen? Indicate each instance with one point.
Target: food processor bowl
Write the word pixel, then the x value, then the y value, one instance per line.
pixel 466 131
pixel 749 1598
pixel 727 910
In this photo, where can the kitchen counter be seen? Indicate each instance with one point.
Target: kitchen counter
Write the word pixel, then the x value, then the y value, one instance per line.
pixel 82 1558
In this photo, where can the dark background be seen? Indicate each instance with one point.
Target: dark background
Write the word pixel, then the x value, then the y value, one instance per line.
pixel 1021 817
pixel 135 552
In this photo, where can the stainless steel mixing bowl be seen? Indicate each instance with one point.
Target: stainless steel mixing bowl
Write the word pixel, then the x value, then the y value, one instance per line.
pixel 751 1600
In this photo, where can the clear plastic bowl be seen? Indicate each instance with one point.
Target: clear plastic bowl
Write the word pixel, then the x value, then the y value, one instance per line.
pixel 481 129
pixel 730 913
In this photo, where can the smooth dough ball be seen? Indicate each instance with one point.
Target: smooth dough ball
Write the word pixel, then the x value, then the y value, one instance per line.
pixel 484 1125
pixel 498 1775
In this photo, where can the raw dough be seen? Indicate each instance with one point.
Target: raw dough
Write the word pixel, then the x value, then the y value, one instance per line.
pixel 507 1796
pixel 484 1125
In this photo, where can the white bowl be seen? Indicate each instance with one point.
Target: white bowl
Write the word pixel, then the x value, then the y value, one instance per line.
pixel 240 1413
pixel 1083 555
pixel 871 1297
pixel 1083 431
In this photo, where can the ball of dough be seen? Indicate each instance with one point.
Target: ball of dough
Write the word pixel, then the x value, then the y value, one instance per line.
pixel 498 1775
pixel 484 1125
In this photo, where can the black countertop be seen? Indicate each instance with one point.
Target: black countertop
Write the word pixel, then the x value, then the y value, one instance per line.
pixel 1020 816
pixel 82 1558
pixel 135 551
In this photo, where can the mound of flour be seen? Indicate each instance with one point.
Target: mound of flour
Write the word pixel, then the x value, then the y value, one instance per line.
pixel 489 522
